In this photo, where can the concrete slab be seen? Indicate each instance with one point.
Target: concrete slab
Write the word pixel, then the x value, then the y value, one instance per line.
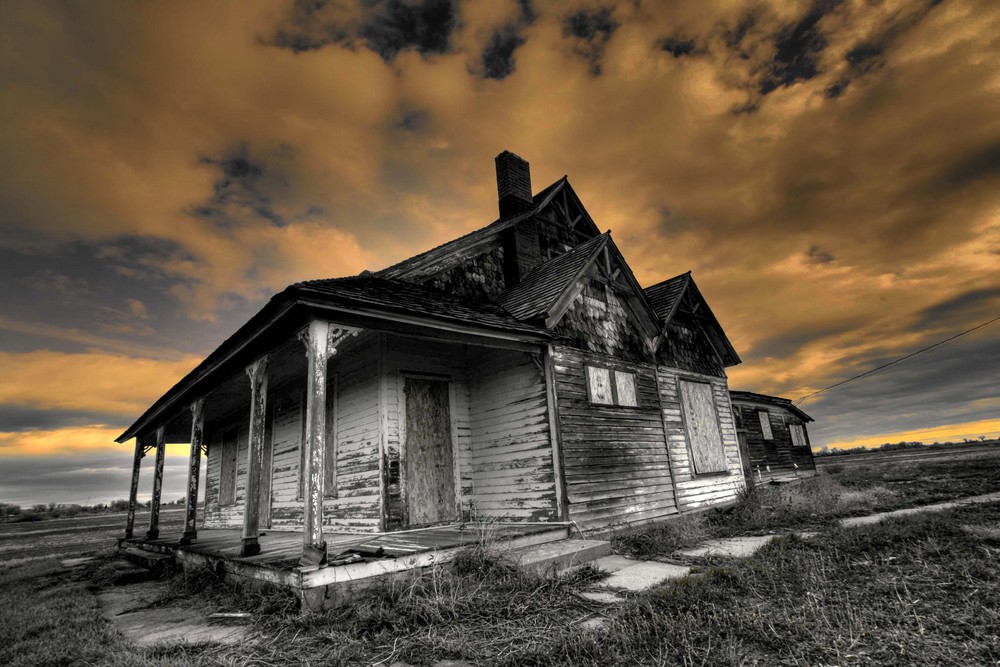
pixel 136 612
pixel 736 547
pixel 614 563
pixel 643 575
pixel 561 555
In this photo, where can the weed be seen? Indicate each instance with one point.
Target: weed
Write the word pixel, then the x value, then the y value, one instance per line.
pixel 680 532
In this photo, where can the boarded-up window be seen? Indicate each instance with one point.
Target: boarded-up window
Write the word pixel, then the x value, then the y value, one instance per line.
pixel 798 435
pixel 702 424
pixel 227 473
pixel 599 385
pixel 625 388
pixel 765 424
pixel 607 387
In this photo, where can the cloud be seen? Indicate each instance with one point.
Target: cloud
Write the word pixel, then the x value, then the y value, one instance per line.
pixel 96 382
pixel 89 477
pixel 386 27
pixel 249 146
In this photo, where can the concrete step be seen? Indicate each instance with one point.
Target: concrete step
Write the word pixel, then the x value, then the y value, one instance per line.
pixel 145 559
pixel 554 557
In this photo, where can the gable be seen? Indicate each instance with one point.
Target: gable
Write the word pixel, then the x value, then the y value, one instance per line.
pixel 687 317
pixel 597 319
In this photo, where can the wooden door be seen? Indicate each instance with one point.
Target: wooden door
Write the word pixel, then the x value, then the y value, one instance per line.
pixel 428 459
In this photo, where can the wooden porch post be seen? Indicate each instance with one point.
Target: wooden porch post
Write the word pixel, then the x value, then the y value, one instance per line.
pixel 154 504
pixel 255 456
pixel 320 339
pixel 133 490
pixel 194 463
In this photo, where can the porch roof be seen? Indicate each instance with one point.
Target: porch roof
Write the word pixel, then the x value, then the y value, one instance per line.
pixel 365 301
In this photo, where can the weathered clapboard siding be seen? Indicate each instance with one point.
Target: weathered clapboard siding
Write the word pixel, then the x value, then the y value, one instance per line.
pixel 432 359
pixel 777 455
pixel 513 475
pixel 357 506
pixel 615 458
pixel 694 490
pixel 286 433
pixel 229 515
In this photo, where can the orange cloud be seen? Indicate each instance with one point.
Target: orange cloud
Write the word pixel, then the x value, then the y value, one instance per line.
pixel 97 381
pixel 94 439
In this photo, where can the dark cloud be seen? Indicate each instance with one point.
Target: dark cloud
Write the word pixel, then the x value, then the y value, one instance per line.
pixel 979 165
pixel 819 255
pixel 797 49
pixel 498 56
pixel 88 478
pixel 590 32
pixel 786 344
pixel 734 37
pixel 901 397
pixel 678 46
pixel 25 418
pixel 238 191
pixel 385 27
pixel 974 304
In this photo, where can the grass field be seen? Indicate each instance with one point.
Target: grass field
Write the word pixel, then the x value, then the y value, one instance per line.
pixel 922 589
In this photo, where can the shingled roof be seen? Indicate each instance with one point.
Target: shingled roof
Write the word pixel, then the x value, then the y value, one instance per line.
pixel 406 298
pixel 533 297
pixel 665 296
pixel 412 266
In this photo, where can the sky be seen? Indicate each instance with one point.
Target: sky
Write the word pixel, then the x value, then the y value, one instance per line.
pixel 828 170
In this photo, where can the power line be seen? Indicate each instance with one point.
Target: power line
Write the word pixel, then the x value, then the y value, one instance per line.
pixel 896 361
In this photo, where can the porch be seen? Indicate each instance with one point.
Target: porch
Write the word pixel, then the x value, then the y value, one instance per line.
pixel 355 560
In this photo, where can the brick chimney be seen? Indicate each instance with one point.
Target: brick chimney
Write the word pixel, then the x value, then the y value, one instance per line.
pixel 513 184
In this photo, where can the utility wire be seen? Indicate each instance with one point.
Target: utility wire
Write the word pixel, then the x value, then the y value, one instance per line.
pixel 891 363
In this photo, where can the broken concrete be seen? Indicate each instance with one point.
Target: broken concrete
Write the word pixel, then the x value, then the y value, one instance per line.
pixel 643 574
pixel 141 613
pixel 734 547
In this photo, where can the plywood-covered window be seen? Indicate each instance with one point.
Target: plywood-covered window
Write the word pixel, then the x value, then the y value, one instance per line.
pixel 798 435
pixel 702 424
pixel 765 424
pixel 227 472
pixel 608 387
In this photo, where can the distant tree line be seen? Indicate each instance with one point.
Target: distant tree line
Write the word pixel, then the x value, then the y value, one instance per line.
pixel 12 513
pixel 825 450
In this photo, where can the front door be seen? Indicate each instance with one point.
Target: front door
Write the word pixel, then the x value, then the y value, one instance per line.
pixel 429 462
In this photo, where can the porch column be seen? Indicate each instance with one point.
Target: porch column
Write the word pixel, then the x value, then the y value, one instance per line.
pixel 154 504
pixel 133 490
pixel 320 339
pixel 255 456
pixel 194 463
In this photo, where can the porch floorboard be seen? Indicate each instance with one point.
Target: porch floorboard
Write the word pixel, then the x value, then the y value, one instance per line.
pixel 281 550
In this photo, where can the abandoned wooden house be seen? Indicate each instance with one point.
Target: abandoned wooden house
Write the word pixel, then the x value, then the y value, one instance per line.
pixel 518 374
pixel 773 439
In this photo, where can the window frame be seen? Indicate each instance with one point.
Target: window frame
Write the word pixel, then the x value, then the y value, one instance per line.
pixel 613 374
